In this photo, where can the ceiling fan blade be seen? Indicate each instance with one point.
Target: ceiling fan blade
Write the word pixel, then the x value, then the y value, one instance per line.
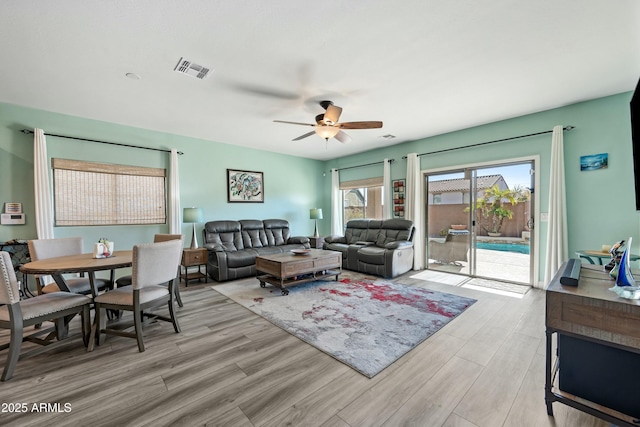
pixel 293 123
pixel 359 125
pixel 343 137
pixel 332 115
pixel 266 91
pixel 304 136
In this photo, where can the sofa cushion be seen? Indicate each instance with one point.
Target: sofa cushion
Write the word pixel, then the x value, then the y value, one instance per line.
pixel 241 258
pixel 268 250
pixel 373 231
pixel 277 231
pixel 372 255
pixel 357 231
pixel 340 247
pixel 223 236
pixel 253 235
pixel 394 230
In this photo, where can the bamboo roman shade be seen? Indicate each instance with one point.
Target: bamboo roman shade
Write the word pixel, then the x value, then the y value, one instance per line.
pixel 88 193
pixel 362 183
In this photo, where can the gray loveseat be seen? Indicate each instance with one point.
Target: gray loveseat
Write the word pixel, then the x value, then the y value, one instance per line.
pixel 383 248
pixel 234 245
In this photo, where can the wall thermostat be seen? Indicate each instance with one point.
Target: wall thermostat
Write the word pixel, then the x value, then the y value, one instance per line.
pixel 11 218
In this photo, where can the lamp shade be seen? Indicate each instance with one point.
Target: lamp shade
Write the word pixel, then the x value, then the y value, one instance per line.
pixel 192 215
pixel 315 213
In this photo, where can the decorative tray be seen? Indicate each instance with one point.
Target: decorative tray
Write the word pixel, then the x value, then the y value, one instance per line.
pixel 301 251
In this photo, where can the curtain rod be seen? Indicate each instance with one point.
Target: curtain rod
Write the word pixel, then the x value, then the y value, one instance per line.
pixel 28 131
pixel 368 164
pixel 567 128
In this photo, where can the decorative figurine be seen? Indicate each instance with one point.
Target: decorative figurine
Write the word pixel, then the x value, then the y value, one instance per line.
pixel 625 278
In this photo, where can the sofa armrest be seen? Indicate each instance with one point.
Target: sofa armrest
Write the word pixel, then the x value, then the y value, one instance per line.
pixel 335 239
pixel 217 267
pixel 399 244
pixel 298 239
pixel 214 247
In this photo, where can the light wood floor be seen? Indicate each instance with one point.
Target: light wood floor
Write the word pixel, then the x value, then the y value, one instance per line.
pixel 230 367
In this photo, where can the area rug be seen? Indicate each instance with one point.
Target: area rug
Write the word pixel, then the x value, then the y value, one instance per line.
pixel 366 323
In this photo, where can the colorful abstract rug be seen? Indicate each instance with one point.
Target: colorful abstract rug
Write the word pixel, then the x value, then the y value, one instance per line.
pixel 366 323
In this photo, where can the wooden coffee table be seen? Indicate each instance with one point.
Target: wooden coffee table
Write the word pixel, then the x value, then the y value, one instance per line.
pixel 288 269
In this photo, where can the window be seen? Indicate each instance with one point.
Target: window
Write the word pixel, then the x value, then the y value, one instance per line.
pixel 362 199
pixel 87 193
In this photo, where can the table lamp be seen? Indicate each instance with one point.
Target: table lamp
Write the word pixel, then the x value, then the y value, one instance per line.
pixel 192 215
pixel 316 214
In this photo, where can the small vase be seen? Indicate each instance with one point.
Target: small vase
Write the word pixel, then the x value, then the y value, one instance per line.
pixel 102 250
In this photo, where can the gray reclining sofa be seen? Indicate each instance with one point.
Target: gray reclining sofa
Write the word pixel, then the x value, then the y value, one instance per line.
pixel 234 245
pixel 380 247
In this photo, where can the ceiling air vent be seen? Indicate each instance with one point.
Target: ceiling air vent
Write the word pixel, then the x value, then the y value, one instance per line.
pixel 189 68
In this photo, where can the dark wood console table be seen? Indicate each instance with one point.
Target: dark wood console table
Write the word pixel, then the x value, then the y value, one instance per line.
pixel 590 315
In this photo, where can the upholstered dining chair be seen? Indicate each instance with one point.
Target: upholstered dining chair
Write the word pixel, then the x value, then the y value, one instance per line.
pixel 154 265
pixel 126 280
pixel 16 314
pixel 51 248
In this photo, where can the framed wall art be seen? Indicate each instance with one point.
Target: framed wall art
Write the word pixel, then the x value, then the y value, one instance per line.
pixel 398 198
pixel 594 162
pixel 244 186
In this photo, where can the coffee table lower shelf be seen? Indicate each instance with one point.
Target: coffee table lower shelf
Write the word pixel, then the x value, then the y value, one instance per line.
pixel 282 283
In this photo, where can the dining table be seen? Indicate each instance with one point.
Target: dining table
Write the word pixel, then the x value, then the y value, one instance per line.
pixel 81 263
pixel 56 267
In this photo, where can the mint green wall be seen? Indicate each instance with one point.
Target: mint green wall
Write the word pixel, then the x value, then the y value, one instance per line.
pixel 292 184
pixel 600 204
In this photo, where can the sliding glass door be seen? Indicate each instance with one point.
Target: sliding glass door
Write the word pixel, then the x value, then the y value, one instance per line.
pixel 479 221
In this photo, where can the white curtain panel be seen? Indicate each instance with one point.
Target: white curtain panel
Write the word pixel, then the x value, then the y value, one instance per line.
pixel 42 187
pixel 336 205
pixel 414 208
pixel 175 222
pixel 387 190
pixel 557 240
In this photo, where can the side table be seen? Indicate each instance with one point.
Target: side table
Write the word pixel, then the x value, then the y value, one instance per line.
pixel 194 258
pixel 316 242
pixel 600 256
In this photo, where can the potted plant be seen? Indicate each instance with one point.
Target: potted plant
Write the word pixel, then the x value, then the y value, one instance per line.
pixel 491 210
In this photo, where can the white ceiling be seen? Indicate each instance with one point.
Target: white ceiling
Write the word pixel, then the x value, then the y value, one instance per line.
pixel 423 67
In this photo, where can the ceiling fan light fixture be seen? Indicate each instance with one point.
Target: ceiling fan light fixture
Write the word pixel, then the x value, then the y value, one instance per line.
pixel 327 132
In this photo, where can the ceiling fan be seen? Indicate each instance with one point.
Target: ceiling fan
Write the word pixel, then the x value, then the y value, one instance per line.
pixel 327 125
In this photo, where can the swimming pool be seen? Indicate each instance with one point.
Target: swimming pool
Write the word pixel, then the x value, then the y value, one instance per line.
pixel 504 247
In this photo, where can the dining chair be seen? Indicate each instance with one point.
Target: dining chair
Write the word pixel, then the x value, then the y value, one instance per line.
pixel 154 265
pixel 126 280
pixel 17 314
pixel 50 248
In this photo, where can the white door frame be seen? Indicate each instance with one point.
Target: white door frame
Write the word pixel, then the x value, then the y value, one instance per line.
pixel 535 278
